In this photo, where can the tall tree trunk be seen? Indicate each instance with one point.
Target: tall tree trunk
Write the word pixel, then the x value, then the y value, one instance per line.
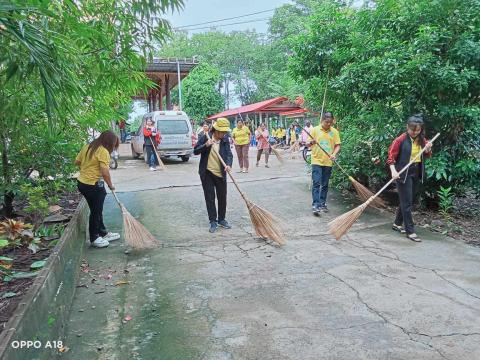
pixel 242 97
pixel 8 196
pixel 227 93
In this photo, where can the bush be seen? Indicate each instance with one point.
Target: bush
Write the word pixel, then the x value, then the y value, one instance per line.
pixel 385 63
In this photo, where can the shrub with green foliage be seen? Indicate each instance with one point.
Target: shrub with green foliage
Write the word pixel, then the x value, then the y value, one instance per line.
pixel 386 62
pixel 201 98
pixel 66 67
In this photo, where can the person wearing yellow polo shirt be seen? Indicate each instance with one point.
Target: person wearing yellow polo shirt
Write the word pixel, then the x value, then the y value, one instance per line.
pixel 282 135
pixel 278 135
pixel 402 151
pixel 93 160
pixel 328 138
pixel 241 139
pixel 212 172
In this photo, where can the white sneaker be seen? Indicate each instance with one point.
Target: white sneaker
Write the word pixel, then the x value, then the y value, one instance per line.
pixel 152 169
pixel 100 243
pixel 111 236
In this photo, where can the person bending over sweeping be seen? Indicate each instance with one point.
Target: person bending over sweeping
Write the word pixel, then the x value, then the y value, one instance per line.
pixel 93 160
pixel 212 173
pixel 152 137
pixel 401 151
pixel 329 139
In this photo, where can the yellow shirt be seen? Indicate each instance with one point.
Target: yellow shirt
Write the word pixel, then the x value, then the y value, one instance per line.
pixel 293 136
pixel 213 164
pixel 327 140
pixel 416 148
pixel 282 133
pixel 241 136
pixel 90 166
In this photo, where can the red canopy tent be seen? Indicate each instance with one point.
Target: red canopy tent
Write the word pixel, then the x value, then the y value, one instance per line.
pixel 267 111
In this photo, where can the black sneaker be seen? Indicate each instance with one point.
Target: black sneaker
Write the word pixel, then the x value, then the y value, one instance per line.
pixel 323 208
pixel 316 211
pixel 213 226
pixel 224 224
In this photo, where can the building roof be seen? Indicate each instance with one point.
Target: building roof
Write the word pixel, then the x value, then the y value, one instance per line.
pixel 276 105
pixel 294 112
pixel 169 65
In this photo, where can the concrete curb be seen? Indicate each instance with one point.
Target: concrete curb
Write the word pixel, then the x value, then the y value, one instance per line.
pixel 42 315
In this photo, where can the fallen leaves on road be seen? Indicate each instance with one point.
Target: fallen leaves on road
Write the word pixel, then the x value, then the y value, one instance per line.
pixel 63 349
pixel 122 282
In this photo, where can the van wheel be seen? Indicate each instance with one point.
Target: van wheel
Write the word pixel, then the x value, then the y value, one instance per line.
pixel 134 154
pixel 185 158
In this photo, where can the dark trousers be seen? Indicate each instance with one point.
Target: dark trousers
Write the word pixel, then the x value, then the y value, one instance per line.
pixel 151 157
pixel 406 193
pixel 320 178
pixel 212 184
pixel 95 197
pixel 259 154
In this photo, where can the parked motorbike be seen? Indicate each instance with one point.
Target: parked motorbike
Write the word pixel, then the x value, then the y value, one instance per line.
pixel 113 160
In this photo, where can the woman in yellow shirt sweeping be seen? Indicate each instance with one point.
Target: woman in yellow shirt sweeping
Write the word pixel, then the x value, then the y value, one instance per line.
pixel 403 150
pixel 93 161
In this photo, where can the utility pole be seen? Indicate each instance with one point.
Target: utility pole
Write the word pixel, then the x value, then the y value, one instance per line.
pixel 179 86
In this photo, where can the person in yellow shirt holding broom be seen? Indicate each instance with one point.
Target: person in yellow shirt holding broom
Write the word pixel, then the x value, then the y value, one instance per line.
pixel 93 161
pixel 212 173
pixel 328 138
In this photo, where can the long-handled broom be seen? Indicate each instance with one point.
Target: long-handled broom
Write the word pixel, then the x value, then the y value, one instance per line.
pixel 264 223
pixel 136 235
pixel 160 162
pixel 362 191
pixel 340 225
pixel 275 151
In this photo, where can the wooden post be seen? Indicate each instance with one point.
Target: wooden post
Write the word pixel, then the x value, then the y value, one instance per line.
pixel 149 100
pixel 160 94
pixel 154 99
pixel 167 92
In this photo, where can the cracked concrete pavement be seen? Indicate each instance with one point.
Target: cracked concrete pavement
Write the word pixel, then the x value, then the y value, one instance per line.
pixel 230 295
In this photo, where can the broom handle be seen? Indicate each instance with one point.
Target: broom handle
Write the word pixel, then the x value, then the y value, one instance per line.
pixel 116 198
pixel 401 171
pixel 325 151
pixel 228 172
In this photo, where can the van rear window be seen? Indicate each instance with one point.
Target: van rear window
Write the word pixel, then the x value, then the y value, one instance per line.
pixel 167 127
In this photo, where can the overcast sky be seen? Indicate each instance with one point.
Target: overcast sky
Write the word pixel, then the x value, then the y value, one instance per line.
pixel 201 11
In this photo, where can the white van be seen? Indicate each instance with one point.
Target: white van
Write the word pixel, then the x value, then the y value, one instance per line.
pixel 176 132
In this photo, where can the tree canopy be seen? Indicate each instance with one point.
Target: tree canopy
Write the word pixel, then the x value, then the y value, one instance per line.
pixel 66 67
pixel 387 62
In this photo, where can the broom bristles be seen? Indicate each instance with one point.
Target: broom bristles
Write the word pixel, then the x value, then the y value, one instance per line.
pixel 364 194
pixel 341 224
pixel 277 154
pixel 264 223
pixel 137 235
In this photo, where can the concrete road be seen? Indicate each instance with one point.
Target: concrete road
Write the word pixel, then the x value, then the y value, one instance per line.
pixel 230 295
